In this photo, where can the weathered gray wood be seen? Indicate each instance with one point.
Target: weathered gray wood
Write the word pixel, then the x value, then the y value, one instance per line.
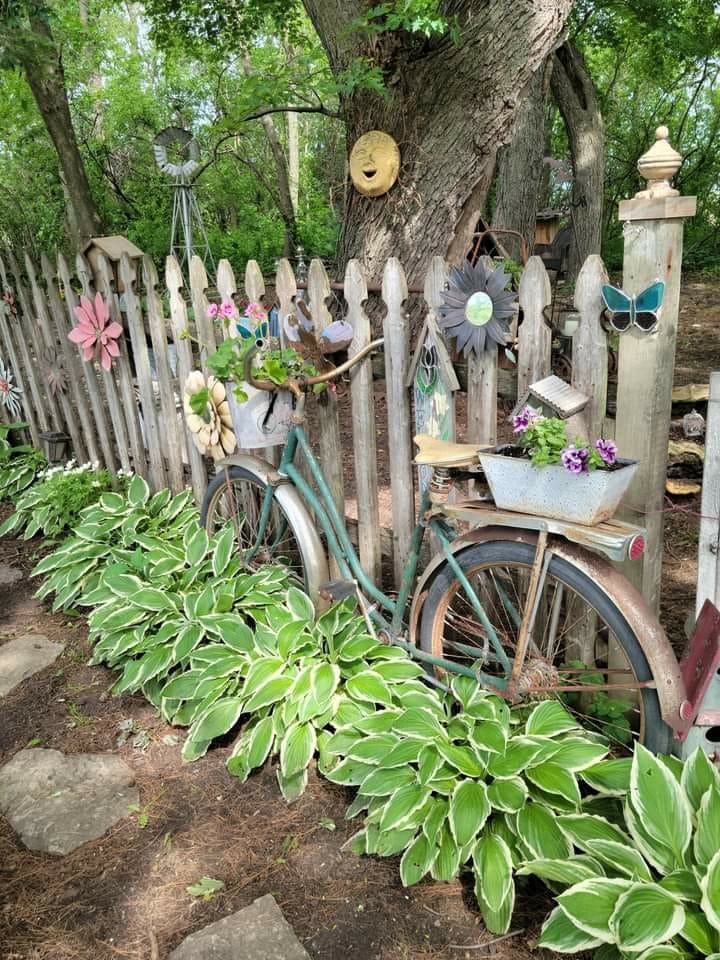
pixel 86 369
pixel 589 350
pixel 121 366
pixel 34 399
pixel 227 288
pixel 535 335
pixel 70 363
pixel 396 327
pixel 203 323
pixel 653 248
pixel 179 319
pixel 7 341
pixel 61 403
pixel 362 399
pixel 122 445
pixel 286 291
pixel 331 451
pixel 136 328
pixel 254 282
pixel 169 424
pixel 482 392
pixel 708 579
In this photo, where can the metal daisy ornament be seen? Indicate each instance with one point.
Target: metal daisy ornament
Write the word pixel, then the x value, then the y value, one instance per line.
pixel 10 393
pixel 475 304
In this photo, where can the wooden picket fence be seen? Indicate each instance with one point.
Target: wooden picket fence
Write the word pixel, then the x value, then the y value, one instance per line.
pixel 131 417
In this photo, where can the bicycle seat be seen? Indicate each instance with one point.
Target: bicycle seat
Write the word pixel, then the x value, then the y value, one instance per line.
pixel 439 453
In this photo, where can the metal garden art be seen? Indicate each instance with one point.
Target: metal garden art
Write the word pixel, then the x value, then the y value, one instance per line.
pixel 10 392
pixel 642 311
pixel 474 307
pixel 95 333
pixel 207 414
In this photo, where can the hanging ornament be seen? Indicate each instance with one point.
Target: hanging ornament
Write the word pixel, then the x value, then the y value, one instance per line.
pixel 95 333
pixel 475 303
pixel 207 414
pixel 10 393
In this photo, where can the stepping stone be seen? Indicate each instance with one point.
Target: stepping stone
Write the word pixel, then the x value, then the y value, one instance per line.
pixel 257 932
pixel 57 803
pixel 24 656
pixel 9 575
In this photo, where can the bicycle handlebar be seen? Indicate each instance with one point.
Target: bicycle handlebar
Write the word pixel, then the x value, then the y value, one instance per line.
pixel 296 385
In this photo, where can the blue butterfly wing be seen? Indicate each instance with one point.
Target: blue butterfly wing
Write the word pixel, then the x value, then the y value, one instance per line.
pixel 650 300
pixel 620 306
pixel 244 330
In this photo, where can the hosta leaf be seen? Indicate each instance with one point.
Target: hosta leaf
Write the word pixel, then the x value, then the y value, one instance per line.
pixel 402 805
pixel 194 749
pixel 710 887
pixel 644 916
pixel 554 779
pixel 221 717
pixel 259 742
pixel 292 787
pixel 382 782
pixel 611 777
pixel 394 841
pixel 435 818
pixel 583 827
pixel 493 870
pixel 138 493
pixel 469 809
pixel 666 951
pixel 151 599
pixel 496 921
pixel 515 759
pixel 697 931
pixel 660 803
pixel 417 860
pixel 420 723
pixel 548 719
pixel 461 758
pixel 300 605
pixel 401 753
pixel 565 872
pixel 683 884
pixel 270 692
pixel 707 831
pixel 698 775
pixel 183 687
pixel 577 754
pixel 447 859
pixel 508 795
pixel 234 632
pixel 369 686
pixel 538 828
pixel 188 638
pixel 123 584
pixel 374 748
pixel 559 933
pixel 591 903
pixel 395 671
pixel 296 748
pixel 490 736
pixel 350 773
pixel 622 858
pixel 224 546
pixel 196 545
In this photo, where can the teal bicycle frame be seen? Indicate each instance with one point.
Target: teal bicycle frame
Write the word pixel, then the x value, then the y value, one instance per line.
pixel 343 552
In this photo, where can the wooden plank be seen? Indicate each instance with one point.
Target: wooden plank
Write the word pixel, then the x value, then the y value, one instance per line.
pixel 20 374
pixel 255 293
pixel 362 400
pixel 179 320
pixel 203 323
pixel 482 392
pixel 227 288
pixel 61 402
pixel 136 327
pixel 535 335
pixel 70 362
pixel 87 369
pixel 331 451
pixel 117 419
pixel 286 291
pixel 396 328
pixel 653 249
pixel 171 427
pixel 590 350
pixel 708 579
pixel 33 406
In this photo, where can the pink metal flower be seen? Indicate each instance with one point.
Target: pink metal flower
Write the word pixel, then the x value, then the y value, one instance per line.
pixel 213 310
pixel 254 311
pixel 95 333
pixel 228 309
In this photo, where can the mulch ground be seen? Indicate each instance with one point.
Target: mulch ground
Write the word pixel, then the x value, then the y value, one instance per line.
pixel 124 895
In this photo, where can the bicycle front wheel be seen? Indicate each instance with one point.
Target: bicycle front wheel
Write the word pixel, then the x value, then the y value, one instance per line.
pixel 580 639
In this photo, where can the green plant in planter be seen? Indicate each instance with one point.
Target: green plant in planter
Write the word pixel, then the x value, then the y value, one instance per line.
pixel 112 531
pixel 19 463
pixel 228 363
pixel 54 504
pixel 546 442
pixel 652 889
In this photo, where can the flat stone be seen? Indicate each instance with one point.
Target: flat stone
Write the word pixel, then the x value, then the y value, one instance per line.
pixel 57 803
pixel 9 575
pixel 257 932
pixel 24 656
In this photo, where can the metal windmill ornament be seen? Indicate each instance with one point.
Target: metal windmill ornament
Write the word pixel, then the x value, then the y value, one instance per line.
pixel 475 306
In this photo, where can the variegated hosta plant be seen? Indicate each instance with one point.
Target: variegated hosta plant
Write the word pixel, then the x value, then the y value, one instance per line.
pixel 112 531
pixel 450 780
pixel 648 889
pixel 19 463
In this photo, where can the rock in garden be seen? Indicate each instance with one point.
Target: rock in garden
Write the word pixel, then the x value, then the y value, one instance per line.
pixel 257 932
pixel 24 656
pixel 9 575
pixel 57 803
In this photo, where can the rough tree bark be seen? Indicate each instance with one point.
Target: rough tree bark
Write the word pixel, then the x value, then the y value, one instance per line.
pixel 577 100
pixel 450 107
pixel 520 166
pixel 46 78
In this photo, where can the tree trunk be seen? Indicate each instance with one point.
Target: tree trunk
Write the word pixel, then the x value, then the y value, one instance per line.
pixel 520 167
pixel 46 77
pixel 577 100
pixel 293 131
pixel 449 106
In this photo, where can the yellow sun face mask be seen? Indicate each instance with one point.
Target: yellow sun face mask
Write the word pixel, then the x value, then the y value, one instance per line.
pixel 374 163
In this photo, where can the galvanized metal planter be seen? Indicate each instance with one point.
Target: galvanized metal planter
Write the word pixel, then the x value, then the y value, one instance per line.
pixel 552 491
pixel 263 420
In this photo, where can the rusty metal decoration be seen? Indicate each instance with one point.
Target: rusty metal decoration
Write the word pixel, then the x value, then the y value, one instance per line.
pixel 475 304
pixel 374 163
pixel 55 371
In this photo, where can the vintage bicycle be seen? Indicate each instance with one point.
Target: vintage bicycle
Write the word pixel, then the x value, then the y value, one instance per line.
pixel 529 607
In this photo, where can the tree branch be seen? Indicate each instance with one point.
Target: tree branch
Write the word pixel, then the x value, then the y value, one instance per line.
pixel 292 108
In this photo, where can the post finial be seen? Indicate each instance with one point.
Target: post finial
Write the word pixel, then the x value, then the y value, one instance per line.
pixel 658 165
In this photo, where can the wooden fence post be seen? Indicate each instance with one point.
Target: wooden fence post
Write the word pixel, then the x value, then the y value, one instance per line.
pixel 204 326
pixel 482 391
pixel 589 351
pixel 227 288
pixel 396 328
pixel 535 335
pixel 653 250
pixel 35 331
pixel 362 398
pixel 708 580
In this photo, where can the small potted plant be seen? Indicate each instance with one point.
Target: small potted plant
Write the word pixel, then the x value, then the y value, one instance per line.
pixel 548 474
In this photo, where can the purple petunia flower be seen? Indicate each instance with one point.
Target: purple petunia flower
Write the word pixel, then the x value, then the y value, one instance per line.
pixel 575 459
pixel 607 450
pixel 521 421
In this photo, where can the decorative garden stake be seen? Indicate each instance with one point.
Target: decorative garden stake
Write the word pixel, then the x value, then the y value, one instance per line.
pixel 10 393
pixel 474 305
pixel 207 414
pixel 95 333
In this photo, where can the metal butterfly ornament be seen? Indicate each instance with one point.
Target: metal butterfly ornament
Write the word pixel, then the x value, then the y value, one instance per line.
pixel 641 311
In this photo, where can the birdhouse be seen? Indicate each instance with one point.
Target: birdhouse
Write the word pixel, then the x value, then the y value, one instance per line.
pixel 547 224
pixel 112 248
pixel 553 398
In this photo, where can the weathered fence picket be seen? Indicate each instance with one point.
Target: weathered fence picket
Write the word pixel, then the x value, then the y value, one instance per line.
pixel 535 346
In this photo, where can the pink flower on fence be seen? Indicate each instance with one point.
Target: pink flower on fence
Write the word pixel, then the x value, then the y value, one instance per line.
pixel 95 333
pixel 213 310
pixel 255 312
pixel 228 309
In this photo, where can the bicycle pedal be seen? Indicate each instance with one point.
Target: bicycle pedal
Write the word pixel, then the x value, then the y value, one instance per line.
pixel 336 590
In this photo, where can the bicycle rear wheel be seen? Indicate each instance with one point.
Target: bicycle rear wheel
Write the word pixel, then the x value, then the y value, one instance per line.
pixel 580 639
